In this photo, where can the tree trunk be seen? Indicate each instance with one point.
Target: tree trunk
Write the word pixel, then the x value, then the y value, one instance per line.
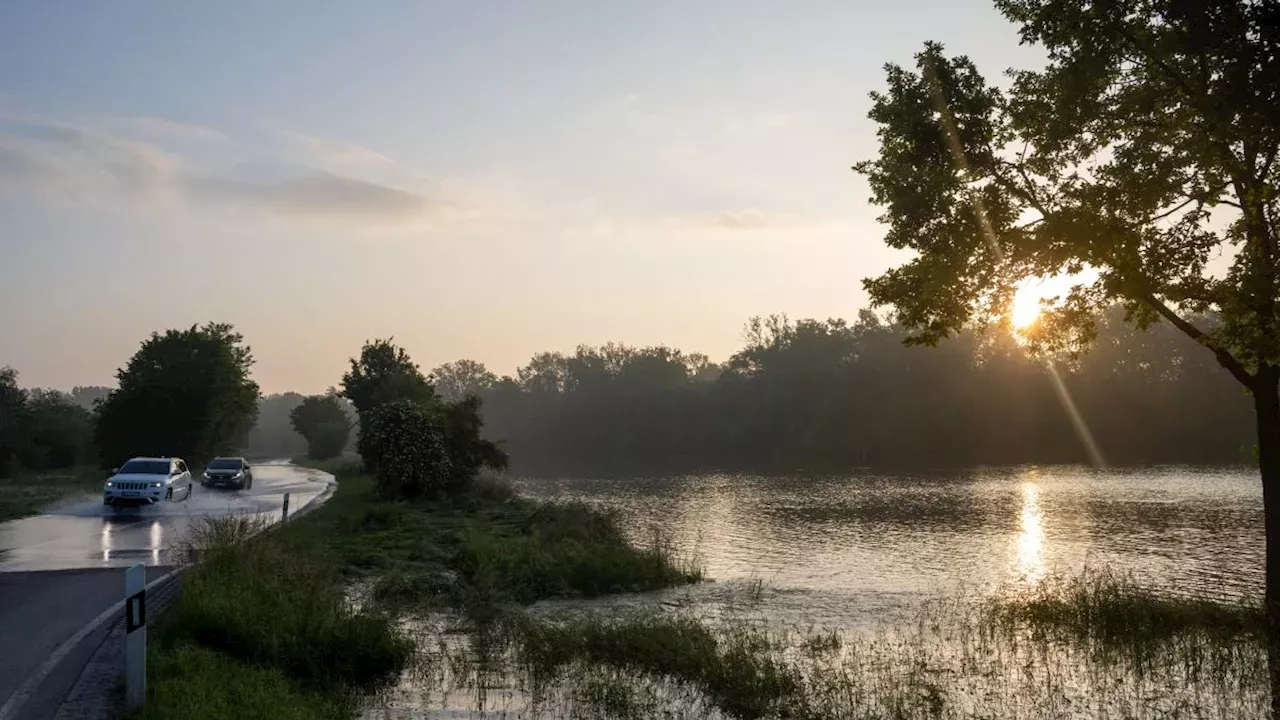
pixel 1266 402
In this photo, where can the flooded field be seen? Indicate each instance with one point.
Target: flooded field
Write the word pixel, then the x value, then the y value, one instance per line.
pixel 872 595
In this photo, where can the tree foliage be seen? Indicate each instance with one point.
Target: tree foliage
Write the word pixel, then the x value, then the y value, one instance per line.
pixel 1143 151
pixel 832 395
pixel 456 380
pixel 13 410
pixel 323 422
pixel 184 393
pixel 59 432
pixel 40 429
pixel 407 441
pixel 383 373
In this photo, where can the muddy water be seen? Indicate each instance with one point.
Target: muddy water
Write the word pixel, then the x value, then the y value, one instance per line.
pixel 860 551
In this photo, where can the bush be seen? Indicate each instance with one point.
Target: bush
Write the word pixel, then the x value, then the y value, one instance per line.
pixel 408 451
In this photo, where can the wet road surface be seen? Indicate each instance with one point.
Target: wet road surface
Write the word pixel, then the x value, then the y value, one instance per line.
pixel 61 569
pixel 82 533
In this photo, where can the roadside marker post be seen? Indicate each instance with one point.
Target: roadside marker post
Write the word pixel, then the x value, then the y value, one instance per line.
pixel 285 516
pixel 135 639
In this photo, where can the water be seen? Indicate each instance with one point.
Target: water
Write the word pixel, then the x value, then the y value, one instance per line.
pixel 842 550
pixel 860 553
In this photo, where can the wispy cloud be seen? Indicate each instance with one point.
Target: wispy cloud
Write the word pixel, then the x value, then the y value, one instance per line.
pixel 159 127
pixel 749 219
pixel 78 164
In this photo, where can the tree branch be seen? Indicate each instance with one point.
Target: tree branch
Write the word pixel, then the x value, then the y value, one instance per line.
pixel 1224 357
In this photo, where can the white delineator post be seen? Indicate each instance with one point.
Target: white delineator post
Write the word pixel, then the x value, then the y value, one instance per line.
pixel 285 515
pixel 135 639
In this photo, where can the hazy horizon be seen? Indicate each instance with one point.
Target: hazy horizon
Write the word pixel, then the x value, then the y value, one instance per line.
pixel 483 181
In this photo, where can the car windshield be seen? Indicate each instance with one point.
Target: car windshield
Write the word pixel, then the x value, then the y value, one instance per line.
pixel 145 467
pixel 224 464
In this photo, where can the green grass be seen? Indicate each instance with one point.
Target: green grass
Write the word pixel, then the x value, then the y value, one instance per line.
pixel 738 669
pixel 1117 609
pixel 196 683
pixel 485 549
pixel 28 494
pixel 275 602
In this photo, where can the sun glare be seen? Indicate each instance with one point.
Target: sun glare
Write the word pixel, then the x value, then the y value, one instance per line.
pixel 1026 307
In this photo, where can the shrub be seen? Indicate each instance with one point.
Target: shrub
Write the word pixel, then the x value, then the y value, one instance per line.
pixel 408 451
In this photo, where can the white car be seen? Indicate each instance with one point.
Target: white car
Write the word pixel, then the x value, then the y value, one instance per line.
pixel 146 481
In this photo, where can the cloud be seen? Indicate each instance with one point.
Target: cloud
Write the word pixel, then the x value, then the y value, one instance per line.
pixel 83 165
pixel 750 219
pixel 155 126
pixel 341 153
pixel 323 196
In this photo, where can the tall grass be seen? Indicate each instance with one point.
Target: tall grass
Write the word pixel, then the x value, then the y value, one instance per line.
pixel 1118 609
pixel 954 659
pixel 274 605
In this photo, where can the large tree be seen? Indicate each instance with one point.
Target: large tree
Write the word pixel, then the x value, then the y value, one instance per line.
pixel 460 378
pixel 1145 152
pixel 383 373
pixel 184 393
pixel 322 421
pixel 13 411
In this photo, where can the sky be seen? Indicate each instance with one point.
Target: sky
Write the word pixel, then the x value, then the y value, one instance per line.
pixel 483 179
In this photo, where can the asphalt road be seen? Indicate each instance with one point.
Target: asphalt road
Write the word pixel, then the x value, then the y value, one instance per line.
pixel 61 569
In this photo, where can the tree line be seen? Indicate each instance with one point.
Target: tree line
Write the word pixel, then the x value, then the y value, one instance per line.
pixel 827 395
pixel 185 393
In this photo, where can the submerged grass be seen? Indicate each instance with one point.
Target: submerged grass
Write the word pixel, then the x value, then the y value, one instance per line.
pixel 485 549
pixel 956 658
pixel 1118 609
pixel 28 494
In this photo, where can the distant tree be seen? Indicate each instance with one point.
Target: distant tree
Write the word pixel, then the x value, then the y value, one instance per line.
pixel 184 393
pixel 383 373
pixel 408 448
pixel 460 378
pixel 59 432
pixel 321 420
pixel 1146 148
pixel 468 452
pixel 87 396
pixel 13 411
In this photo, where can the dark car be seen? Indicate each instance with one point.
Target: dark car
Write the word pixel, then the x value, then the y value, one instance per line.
pixel 228 472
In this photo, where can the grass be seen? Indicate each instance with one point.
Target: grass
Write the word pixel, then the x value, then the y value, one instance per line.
pixel 265 625
pixel 1118 609
pixel 484 550
pixel 273 606
pixel 28 494
pixel 958 658
pixel 197 683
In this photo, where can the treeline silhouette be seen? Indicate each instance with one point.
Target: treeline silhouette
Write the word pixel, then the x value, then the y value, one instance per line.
pixel 825 395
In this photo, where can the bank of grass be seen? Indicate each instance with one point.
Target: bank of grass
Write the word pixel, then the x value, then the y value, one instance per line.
pixel 1118 609
pixel 263 628
pixel 29 493
pixel 485 549
pixel 272 609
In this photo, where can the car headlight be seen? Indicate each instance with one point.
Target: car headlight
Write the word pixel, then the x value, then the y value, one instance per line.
pixel 206 475
pixel 110 484
pixel 157 484
pixel 237 475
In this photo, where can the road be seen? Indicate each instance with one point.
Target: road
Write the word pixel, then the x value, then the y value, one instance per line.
pixel 61 569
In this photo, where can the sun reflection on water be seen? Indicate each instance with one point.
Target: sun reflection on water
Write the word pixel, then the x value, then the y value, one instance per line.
pixel 1030 541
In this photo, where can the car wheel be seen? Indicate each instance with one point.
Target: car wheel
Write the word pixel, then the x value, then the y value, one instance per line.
pixel 168 495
